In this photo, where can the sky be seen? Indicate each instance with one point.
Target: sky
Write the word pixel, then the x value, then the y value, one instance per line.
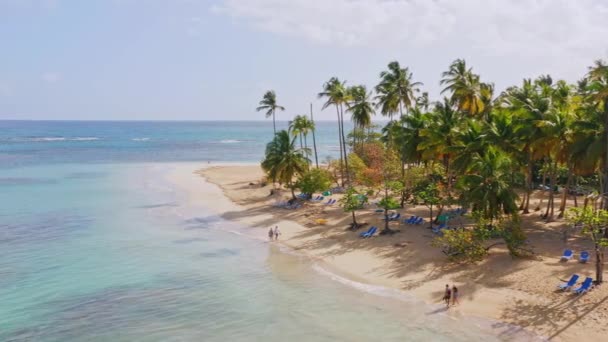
pixel 214 59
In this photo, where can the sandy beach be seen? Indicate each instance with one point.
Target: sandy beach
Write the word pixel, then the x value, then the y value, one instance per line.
pixel 517 291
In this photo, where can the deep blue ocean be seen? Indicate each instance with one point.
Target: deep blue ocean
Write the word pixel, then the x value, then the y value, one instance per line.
pixel 96 244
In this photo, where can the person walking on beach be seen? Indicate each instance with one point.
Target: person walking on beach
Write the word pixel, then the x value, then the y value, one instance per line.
pixel 447 296
pixel 276 232
pixel 270 233
pixel 454 295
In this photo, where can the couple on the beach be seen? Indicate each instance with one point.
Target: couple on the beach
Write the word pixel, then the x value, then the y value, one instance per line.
pixel 450 294
pixel 274 233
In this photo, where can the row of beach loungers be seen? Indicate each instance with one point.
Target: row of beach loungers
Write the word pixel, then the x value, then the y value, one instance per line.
pixel 584 287
pixel 296 205
pixel 569 254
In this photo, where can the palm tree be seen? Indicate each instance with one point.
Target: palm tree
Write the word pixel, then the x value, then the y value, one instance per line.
pixel 283 161
pixel 269 104
pixel 396 90
pixel 440 135
pixel 467 92
pixel 528 104
pixel 337 94
pixel 487 185
pixel 360 107
pixel 597 90
pixel 301 126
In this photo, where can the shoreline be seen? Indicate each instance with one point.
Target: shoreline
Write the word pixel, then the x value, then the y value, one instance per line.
pixel 249 205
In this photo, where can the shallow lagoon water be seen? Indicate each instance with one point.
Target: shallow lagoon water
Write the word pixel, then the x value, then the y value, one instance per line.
pixel 117 254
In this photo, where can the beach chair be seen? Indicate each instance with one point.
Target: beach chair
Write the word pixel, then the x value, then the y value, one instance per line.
pixel 367 231
pixel 395 218
pixel 568 253
pixel 390 217
pixel 585 286
pixel 584 257
pixel 569 284
pixel 409 220
pixel 419 220
pixel 331 202
pixel 370 232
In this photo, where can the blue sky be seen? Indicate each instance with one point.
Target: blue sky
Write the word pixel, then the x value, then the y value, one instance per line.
pixel 213 59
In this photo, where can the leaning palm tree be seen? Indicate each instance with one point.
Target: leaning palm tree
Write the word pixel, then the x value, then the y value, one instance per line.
pixel 337 95
pixel 269 104
pixel 283 161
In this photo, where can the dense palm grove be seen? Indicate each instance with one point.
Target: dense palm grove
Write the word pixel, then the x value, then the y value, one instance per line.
pixel 474 148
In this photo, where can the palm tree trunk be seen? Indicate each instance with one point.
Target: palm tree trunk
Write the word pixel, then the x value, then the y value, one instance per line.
pixel 340 142
pixel 529 186
pixel 605 166
pixel 355 224
pixel 344 145
pixel 274 125
pixel 314 140
pixel 562 206
pixel 550 203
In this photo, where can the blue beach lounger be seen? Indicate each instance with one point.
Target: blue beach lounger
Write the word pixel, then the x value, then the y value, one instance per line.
pixel 585 286
pixel 569 284
pixel 409 220
pixel 584 257
pixel 567 254
pixel 419 220
pixel 370 232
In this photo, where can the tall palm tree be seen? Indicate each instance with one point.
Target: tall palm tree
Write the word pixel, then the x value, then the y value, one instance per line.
pixel 528 104
pixel 336 93
pixel 396 89
pixel 283 161
pixel 360 107
pixel 301 126
pixel 440 136
pixel 269 104
pixel 597 90
pixel 467 92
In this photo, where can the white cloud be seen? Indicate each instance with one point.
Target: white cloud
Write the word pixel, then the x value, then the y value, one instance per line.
pixel 51 77
pixel 554 29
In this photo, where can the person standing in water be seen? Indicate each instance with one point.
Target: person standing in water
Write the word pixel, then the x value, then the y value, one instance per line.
pixel 454 295
pixel 276 232
pixel 270 233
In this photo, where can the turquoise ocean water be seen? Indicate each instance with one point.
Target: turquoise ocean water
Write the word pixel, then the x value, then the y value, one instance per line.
pixel 96 245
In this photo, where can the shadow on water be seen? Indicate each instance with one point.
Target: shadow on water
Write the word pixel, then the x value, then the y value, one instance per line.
pixel 85 175
pixel 14 181
pixel 43 228
pixel 222 252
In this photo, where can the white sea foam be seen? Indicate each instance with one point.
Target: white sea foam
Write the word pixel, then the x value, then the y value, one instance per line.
pixel 140 139
pixel 83 139
pixel 53 139
pixel 230 141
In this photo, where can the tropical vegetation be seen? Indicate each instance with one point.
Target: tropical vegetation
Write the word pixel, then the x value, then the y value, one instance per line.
pixel 473 147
